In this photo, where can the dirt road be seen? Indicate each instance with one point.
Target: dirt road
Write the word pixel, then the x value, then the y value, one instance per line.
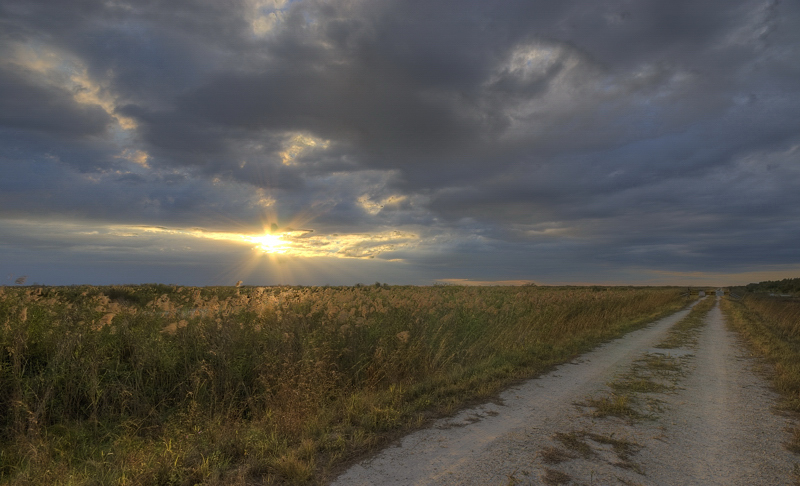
pixel 722 427
pixel 702 416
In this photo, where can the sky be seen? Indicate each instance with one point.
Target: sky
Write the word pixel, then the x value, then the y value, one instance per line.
pixel 408 142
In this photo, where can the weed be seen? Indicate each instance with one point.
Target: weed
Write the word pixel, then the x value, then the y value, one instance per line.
pixel 612 405
pixel 581 441
pixel 794 441
pixel 555 455
pixel 662 363
pixel 554 477
pixel 624 449
pixel 512 476
pixel 628 482
pixel 574 441
pixel 637 385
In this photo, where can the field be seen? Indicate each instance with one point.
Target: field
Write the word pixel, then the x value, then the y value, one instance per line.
pixel 160 384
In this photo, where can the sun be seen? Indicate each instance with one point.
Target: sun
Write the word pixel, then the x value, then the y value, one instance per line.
pixel 270 243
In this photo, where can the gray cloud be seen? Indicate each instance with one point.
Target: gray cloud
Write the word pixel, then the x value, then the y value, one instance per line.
pixel 28 107
pixel 567 140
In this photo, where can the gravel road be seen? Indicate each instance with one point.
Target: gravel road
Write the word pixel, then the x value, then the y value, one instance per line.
pixel 715 426
pixel 722 427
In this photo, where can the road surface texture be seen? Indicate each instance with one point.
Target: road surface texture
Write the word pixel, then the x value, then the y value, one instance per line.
pixel 711 422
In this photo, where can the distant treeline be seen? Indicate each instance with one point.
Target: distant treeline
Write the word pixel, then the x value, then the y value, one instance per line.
pixel 785 286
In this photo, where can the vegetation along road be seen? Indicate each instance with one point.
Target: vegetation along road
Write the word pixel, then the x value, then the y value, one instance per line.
pixel 681 401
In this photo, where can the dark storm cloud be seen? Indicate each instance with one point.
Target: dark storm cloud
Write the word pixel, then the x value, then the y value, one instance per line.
pixel 509 135
pixel 24 106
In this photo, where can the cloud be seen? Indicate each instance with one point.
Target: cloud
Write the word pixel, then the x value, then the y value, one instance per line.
pixel 516 140
pixel 28 105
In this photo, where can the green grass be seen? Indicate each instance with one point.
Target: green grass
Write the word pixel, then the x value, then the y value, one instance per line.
pixel 612 405
pixel 166 385
pixel 637 384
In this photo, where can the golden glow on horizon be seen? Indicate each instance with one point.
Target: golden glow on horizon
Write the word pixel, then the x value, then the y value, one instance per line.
pixel 332 251
pixel 303 243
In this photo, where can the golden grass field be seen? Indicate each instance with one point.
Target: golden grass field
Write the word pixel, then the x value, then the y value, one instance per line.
pixel 158 384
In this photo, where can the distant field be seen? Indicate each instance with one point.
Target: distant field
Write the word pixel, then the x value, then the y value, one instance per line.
pixel 160 384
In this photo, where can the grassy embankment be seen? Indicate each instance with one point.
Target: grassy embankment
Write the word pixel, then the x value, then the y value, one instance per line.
pixel 166 385
pixel 772 326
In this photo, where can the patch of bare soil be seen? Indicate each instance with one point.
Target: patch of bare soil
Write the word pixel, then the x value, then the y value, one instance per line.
pixel 697 415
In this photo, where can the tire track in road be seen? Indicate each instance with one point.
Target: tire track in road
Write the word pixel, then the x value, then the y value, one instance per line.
pixel 722 429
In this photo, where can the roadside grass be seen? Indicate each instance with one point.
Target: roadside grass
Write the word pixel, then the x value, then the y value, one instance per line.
pixel 169 385
pixel 771 326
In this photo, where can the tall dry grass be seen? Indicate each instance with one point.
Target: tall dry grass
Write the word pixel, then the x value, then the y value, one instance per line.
pixel 169 385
